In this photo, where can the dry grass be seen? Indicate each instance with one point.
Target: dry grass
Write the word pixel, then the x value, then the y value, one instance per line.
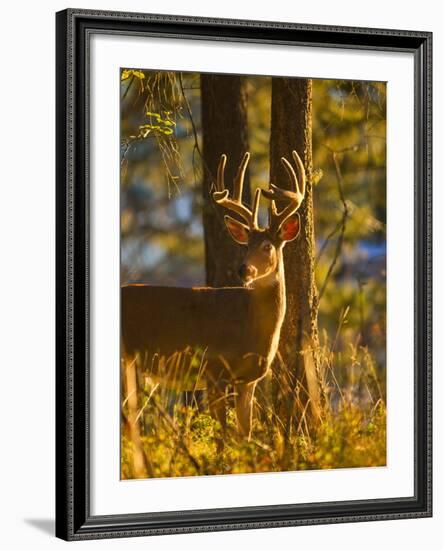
pixel 179 439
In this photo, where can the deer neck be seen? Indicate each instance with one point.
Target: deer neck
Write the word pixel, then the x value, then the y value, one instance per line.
pixel 269 304
pixel 274 283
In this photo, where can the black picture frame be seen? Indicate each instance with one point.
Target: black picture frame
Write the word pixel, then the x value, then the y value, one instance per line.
pixel 73 518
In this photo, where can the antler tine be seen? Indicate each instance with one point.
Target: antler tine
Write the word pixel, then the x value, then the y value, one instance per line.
pixel 240 177
pixel 295 197
pixel 291 173
pixel 273 208
pixel 301 173
pixel 220 183
pixel 255 206
pixel 221 195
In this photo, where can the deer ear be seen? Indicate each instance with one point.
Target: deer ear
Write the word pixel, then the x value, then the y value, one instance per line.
pixel 290 228
pixel 238 231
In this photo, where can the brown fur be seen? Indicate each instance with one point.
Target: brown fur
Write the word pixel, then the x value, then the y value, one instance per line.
pixel 236 330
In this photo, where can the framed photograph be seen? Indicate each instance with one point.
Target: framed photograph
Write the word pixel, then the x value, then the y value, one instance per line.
pixel 243 274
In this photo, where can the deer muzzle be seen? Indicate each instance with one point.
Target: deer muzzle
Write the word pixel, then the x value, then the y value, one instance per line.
pixel 247 273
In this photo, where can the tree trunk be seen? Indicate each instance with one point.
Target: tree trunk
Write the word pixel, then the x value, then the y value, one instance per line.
pixel 291 128
pixel 224 129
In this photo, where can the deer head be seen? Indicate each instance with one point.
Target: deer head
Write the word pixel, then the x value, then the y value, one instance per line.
pixel 264 245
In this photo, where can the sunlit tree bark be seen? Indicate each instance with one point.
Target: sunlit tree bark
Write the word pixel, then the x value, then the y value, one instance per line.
pixel 291 128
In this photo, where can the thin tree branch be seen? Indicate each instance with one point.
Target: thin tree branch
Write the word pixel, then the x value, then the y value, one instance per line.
pixel 194 129
pixel 341 225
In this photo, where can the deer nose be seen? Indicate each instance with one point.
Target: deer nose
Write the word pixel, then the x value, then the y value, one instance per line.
pixel 246 272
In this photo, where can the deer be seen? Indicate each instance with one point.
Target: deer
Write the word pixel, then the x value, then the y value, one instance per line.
pixel 234 331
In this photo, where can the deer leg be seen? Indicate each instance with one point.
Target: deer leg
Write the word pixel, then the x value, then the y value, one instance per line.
pixel 243 405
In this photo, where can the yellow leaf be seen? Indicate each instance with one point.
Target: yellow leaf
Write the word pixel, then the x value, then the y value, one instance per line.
pixel 126 73
pixel 138 74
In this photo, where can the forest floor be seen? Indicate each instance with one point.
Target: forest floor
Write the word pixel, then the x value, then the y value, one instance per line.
pixel 177 440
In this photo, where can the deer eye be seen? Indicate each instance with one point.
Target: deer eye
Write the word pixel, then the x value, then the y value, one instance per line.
pixel 267 247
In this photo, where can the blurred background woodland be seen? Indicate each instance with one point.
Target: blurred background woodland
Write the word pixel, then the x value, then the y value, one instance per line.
pixel 174 127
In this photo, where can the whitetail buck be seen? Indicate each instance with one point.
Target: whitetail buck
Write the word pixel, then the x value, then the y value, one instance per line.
pixel 233 331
